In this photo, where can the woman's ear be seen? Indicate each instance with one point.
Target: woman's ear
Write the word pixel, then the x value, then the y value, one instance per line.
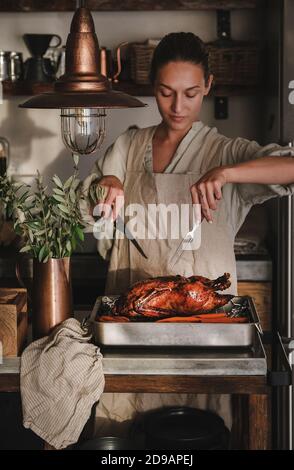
pixel 208 86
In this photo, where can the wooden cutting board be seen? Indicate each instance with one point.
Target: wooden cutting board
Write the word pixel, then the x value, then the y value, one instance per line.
pixel 13 320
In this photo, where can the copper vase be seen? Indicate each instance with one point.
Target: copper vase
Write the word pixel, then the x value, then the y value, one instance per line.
pixel 51 296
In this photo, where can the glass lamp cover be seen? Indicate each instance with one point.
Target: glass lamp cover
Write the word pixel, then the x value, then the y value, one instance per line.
pixel 83 129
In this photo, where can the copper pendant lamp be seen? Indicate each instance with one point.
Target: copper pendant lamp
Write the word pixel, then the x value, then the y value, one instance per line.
pixel 82 93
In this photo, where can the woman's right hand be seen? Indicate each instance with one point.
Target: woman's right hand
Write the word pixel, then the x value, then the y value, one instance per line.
pixel 113 199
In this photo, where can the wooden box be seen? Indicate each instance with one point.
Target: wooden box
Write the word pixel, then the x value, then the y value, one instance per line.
pixel 13 320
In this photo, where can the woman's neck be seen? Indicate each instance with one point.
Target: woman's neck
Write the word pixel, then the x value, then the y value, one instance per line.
pixel 164 133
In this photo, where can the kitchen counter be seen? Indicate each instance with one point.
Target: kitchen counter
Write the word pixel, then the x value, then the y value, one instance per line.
pixel 167 361
pixel 194 362
pixel 242 373
pixel 254 268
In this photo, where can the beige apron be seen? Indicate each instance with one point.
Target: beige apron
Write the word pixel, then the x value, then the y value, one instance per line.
pixel 214 257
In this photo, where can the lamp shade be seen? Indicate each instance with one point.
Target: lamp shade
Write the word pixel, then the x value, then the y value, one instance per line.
pixel 100 99
pixel 82 85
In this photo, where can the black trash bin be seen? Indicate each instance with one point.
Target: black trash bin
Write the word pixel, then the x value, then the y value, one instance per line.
pixel 184 428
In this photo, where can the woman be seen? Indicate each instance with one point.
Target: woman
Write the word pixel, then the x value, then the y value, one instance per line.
pixel 182 160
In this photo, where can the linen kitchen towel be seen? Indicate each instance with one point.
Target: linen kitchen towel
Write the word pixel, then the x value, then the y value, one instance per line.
pixel 61 377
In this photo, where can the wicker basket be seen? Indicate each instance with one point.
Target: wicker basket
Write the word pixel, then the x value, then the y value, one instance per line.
pixel 141 56
pixel 235 65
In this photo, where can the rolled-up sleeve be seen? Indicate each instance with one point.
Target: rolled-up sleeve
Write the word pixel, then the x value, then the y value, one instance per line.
pixel 241 150
pixel 114 161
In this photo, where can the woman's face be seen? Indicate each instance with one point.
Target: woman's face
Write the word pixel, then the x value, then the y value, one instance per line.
pixel 179 90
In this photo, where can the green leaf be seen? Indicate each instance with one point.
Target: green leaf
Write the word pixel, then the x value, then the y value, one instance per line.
pixel 79 233
pixel 33 224
pixel 72 196
pixel 75 183
pixel 39 178
pixel 41 253
pixel 40 232
pixel 59 198
pixel 30 199
pixel 25 249
pixel 58 191
pixel 63 208
pixel 68 182
pixel 57 181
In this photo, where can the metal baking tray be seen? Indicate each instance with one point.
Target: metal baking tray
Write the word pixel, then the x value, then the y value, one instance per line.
pixel 152 334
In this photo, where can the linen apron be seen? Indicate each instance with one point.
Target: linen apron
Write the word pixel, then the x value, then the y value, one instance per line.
pixel 215 254
pixel 214 257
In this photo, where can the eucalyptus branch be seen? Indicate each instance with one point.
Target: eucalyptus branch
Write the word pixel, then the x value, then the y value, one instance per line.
pixel 51 225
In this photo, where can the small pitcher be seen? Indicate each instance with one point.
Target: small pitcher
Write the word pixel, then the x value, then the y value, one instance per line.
pixel 49 292
pixel 52 295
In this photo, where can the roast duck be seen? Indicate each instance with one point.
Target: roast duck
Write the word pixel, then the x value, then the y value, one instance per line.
pixel 174 299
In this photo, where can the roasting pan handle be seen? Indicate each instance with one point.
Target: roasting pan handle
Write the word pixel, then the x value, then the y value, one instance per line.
pixel 279 378
pixel 255 314
pixel 259 328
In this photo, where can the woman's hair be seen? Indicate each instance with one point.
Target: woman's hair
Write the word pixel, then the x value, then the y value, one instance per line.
pixel 184 47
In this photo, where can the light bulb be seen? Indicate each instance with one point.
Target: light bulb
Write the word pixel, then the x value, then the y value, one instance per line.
pixel 83 129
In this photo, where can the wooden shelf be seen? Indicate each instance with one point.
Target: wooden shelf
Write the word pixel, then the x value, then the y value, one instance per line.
pixel 26 89
pixel 20 88
pixel 126 5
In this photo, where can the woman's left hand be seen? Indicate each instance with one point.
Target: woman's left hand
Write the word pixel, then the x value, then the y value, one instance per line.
pixel 207 191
